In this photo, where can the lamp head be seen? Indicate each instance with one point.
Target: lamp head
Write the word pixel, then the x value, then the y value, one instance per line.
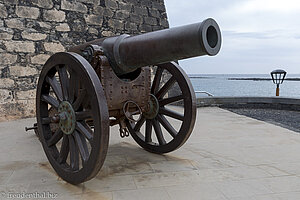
pixel 278 76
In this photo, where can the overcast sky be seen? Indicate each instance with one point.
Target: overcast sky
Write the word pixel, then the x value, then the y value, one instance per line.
pixel 258 35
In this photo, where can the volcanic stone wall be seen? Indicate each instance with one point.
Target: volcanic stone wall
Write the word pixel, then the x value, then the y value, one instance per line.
pixel 31 31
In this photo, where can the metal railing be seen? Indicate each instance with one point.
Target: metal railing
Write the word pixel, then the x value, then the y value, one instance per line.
pixel 204 92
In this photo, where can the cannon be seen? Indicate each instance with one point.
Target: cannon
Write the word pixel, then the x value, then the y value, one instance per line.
pixel 131 81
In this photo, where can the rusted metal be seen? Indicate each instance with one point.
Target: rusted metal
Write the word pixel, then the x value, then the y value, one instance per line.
pixel 118 91
pixel 108 82
pixel 127 53
pixel 76 156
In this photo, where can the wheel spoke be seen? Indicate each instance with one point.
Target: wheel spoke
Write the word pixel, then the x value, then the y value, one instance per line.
pixel 79 100
pixel 167 125
pixel 74 154
pixel 82 146
pixel 86 131
pixel 83 115
pixel 64 81
pixel 64 150
pixel 148 133
pixel 171 113
pixel 139 124
pixel 46 120
pixel 56 87
pixel 169 100
pixel 158 132
pixel 55 138
pixel 156 81
pixel 165 88
pixel 73 89
pixel 50 100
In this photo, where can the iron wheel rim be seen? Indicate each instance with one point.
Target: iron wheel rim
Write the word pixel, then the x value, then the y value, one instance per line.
pixel 85 144
pixel 154 125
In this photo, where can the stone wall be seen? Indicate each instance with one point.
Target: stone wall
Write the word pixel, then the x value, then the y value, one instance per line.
pixel 31 31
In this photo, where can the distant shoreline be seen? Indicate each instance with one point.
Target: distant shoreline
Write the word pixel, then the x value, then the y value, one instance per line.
pixel 244 79
pixel 260 79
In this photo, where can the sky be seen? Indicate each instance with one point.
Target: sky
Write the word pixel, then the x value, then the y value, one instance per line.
pixel 258 36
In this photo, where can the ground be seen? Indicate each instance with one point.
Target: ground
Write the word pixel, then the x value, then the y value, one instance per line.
pixel 228 157
pixel 286 118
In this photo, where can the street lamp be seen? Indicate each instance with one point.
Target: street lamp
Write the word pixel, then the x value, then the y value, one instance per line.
pixel 278 76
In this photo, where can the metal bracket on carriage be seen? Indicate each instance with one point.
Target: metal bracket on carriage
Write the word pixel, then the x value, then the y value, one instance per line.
pixel 130 110
pixel 35 128
pixel 95 55
pixel 123 128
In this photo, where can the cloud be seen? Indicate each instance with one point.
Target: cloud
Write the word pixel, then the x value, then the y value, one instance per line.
pixel 258 35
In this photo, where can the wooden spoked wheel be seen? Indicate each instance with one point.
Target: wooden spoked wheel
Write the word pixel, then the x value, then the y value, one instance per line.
pixel 166 127
pixel 72 117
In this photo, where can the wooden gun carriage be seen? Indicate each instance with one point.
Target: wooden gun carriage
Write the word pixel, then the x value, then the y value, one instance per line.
pixel 133 81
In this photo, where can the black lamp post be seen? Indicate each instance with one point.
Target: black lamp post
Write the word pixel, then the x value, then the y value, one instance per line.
pixel 278 76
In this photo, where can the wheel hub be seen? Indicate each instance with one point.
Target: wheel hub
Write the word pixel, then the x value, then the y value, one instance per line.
pixel 67 117
pixel 153 108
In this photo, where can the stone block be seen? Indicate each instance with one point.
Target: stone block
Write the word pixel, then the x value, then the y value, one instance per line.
pixel 25 95
pixel 93 31
pixel 43 3
pixel 159 6
pixel 19 71
pixel 6 59
pixel 63 27
pixel 116 24
pixel 73 6
pixel 156 28
pixel 54 15
pixel 45 25
pixel 125 6
pixel 130 26
pixel 31 35
pixel 145 28
pixel 107 12
pixel 6 83
pixel 3 11
pixel 154 13
pixel 15 23
pixel 27 12
pixel 141 11
pixel 54 47
pixel 107 33
pixel 94 2
pixel 19 46
pixel 111 4
pixel 164 23
pixel 5 36
pixel 40 59
pixel 26 107
pixel 150 20
pixel 6 33
pixel 137 19
pixel 94 19
pixel 122 14
pixel 146 3
pixel 98 10
pixel 10 2
pixel 6 96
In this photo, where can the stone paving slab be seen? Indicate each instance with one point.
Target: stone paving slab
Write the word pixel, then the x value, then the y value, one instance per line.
pixel 228 157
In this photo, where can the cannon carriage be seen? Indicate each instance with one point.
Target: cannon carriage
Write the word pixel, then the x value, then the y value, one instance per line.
pixel 130 81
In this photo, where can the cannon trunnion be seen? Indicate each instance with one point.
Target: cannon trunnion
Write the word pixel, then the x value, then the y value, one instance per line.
pixel 130 81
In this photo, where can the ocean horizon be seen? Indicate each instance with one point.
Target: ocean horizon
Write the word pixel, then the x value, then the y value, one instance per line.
pixel 231 85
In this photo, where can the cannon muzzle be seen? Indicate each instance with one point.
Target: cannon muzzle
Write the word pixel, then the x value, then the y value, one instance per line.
pixel 127 53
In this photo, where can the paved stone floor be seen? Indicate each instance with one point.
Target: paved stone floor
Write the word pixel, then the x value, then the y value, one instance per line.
pixel 228 157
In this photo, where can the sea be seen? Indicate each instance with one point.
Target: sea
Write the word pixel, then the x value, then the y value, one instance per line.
pixel 233 85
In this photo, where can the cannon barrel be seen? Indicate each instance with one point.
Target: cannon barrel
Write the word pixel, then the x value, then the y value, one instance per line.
pixel 127 53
